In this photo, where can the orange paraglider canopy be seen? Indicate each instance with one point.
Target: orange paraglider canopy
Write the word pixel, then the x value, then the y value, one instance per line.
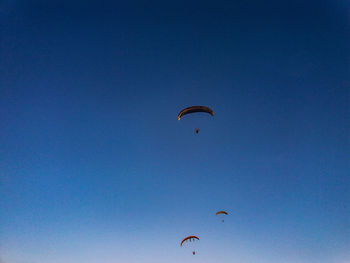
pixel 221 212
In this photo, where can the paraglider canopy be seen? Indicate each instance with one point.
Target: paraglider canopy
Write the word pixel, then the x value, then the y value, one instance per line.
pixel 189 238
pixel 221 212
pixel 194 109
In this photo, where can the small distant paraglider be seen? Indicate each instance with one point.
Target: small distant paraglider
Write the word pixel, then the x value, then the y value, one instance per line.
pixel 194 109
pixel 189 239
pixel 222 213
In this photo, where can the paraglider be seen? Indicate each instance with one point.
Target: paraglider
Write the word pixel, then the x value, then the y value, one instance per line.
pixel 189 239
pixel 222 213
pixel 194 109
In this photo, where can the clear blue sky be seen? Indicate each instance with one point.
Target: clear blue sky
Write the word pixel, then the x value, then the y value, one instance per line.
pixel 95 167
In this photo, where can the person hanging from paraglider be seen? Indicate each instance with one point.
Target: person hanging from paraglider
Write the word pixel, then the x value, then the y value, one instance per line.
pixel 197 130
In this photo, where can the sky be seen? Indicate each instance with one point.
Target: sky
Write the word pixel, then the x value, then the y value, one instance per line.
pixel 95 167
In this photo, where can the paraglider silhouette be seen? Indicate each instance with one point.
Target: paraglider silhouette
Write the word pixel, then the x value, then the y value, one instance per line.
pixel 222 213
pixel 189 239
pixel 194 109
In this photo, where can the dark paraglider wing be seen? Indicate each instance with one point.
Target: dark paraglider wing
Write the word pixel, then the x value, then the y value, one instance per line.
pixel 221 212
pixel 194 109
pixel 189 238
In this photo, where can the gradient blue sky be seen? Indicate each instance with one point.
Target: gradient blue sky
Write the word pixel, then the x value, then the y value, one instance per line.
pixel 95 167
